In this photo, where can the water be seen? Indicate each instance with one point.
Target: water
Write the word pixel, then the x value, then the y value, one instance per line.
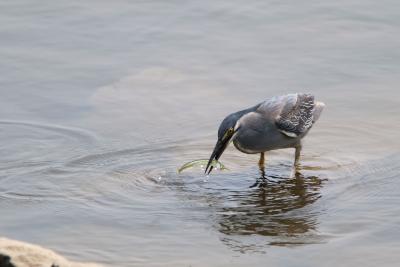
pixel 101 103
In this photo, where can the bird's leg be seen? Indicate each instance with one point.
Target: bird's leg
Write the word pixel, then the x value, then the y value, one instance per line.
pixel 261 163
pixel 261 182
pixel 297 156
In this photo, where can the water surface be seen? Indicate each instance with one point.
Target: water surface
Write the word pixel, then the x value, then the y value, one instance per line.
pixel 101 103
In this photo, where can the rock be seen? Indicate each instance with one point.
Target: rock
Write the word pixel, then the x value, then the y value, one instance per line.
pixel 20 254
pixel 5 261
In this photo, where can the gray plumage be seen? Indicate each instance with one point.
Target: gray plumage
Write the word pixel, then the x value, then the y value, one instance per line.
pixel 279 122
pixel 297 119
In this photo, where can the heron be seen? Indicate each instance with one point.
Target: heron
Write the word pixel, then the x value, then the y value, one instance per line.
pixel 277 123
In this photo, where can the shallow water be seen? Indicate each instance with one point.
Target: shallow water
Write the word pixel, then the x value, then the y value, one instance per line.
pixel 101 103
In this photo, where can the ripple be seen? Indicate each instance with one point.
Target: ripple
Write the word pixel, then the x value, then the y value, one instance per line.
pixel 33 154
pixel 140 156
pixel 369 180
pixel 133 179
pixel 84 136
pixel 35 142
pixel 285 212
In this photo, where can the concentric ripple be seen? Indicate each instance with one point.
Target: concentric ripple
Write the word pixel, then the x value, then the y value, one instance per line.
pixel 136 182
pixel 33 151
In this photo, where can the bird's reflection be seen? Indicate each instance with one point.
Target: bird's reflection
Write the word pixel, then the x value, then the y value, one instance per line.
pixel 274 209
pixel 278 212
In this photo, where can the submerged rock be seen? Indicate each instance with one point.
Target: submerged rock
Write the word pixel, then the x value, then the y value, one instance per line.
pixel 20 254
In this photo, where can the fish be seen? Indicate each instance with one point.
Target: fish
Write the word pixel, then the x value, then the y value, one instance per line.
pixel 202 162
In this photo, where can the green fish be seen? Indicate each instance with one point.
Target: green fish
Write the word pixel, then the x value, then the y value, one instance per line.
pixel 202 162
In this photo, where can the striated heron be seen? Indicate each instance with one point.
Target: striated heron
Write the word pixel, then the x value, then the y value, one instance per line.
pixel 279 122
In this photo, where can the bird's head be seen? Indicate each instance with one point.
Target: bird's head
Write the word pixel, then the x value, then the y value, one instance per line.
pixel 226 131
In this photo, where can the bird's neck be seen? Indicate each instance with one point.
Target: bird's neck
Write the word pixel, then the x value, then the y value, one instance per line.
pixel 243 112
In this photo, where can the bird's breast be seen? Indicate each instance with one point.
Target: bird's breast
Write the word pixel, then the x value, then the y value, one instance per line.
pixel 252 142
pixel 243 148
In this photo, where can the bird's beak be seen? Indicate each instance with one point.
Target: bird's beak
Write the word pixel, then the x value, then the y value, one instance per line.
pixel 219 148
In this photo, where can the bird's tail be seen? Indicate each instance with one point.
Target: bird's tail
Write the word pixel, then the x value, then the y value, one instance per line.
pixel 319 106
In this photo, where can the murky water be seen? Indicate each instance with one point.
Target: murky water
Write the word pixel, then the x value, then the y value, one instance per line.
pixel 102 101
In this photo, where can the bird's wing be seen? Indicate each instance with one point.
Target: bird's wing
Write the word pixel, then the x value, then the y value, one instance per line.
pixel 296 115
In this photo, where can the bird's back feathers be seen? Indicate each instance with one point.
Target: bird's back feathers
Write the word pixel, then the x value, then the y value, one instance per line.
pixel 296 118
pixel 292 114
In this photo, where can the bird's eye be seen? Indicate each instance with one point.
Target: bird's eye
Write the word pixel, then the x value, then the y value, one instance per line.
pixel 230 131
